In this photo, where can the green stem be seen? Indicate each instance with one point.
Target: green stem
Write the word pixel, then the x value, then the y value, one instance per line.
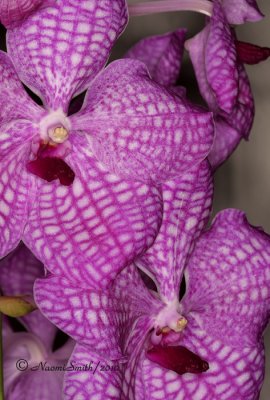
pixel 1 360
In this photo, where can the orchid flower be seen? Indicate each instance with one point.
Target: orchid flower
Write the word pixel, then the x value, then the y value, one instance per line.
pixel 18 273
pixel 226 90
pixel 152 345
pixel 130 135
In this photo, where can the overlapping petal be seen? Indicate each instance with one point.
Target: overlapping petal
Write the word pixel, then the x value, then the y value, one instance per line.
pixel 105 321
pixel 59 49
pixel 14 190
pixel 14 102
pixel 140 130
pixel 18 271
pixel 85 315
pixel 228 277
pixel 92 229
pixel 187 204
pixel 162 54
pixel 14 11
pixel 104 379
pixel 227 307
pixel 240 11
pixel 110 324
pixel 213 55
pixel 231 128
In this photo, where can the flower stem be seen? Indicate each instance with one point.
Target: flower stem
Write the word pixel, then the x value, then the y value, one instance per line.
pixel 159 6
pixel 1 360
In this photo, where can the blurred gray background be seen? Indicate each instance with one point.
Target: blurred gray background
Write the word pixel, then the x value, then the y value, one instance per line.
pixel 244 181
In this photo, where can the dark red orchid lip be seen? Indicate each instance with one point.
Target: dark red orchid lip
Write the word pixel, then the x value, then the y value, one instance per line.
pixel 178 359
pixel 51 168
pixel 250 53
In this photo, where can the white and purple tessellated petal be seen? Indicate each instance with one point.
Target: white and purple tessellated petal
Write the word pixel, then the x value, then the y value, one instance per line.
pixel 12 12
pixel 162 54
pixel 14 186
pixel 14 101
pixel 140 130
pixel 213 55
pixel 16 133
pixel 104 321
pixel 59 49
pixel 187 205
pixel 103 381
pixel 227 308
pixel 240 11
pixel 92 229
pixel 231 128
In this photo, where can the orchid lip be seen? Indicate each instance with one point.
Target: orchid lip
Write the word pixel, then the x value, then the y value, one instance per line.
pixel 159 6
pixel 178 359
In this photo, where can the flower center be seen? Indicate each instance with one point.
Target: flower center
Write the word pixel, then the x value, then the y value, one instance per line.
pixel 55 127
pixel 164 348
pixel 58 134
pixel 51 149
pixel 169 321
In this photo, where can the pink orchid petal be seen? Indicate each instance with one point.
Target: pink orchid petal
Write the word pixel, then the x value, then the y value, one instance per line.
pixel 14 192
pixel 92 229
pixel 213 55
pixel 14 11
pixel 19 270
pixel 58 50
pixel 133 383
pixel 162 54
pixel 231 128
pixel 187 204
pixel 85 315
pixel 105 321
pixel 140 130
pixel 240 11
pixel 232 292
pixel 226 140
pixel 14 102
pixel 104 381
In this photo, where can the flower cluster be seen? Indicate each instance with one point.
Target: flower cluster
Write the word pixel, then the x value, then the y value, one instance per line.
pixel 112 196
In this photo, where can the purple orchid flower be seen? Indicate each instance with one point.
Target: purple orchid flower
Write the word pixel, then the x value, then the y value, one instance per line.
pixel 129 136
pixel 216 46
pixel 18 273
pixel 218 60
pixel 150 344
